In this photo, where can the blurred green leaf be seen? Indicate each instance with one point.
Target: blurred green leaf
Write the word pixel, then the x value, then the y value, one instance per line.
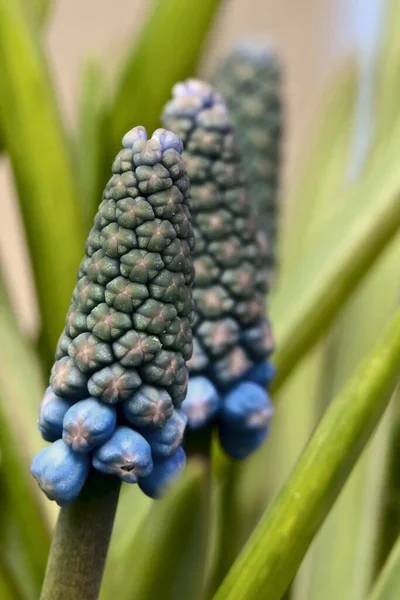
pixel 40 9
pixel 387 585
pixel 133 507
pixel 346 548
pixel 390 517
pixel 273 554
pixel 42 166
pixel 387 73
pixel 21 388
pixel 91 122
pixel 168 554
pixel 364 223
pixel 8 587
pixel 167 51
pixel 323 172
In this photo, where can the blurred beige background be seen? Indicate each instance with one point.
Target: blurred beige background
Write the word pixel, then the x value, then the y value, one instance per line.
pixel 310 36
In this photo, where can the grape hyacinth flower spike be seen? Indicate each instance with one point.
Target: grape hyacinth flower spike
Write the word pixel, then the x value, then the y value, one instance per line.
pixel 249 78
pixel 120 374
pixel 232 337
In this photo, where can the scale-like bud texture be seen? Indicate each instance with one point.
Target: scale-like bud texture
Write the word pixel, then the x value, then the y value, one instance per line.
pixel 249 79
pixel 121 360
pixel 232 336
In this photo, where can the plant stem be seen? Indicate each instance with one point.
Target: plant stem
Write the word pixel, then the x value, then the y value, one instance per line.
pixel 268 563
pixel 80 542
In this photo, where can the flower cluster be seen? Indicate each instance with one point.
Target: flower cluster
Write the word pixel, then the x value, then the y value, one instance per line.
pixel 120 374
pixel 232 337
pixel 249 79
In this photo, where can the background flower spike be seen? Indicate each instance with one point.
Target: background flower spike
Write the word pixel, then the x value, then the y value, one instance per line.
pixel 249 78
pixel 122 355
pixel 164 473
pixel 232 337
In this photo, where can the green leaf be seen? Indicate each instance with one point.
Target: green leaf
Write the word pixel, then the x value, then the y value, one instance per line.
pixel 365 222
pixel 323 172
pixel 273 554
pixel 167 51
pixel 8 587
pixel 170 547
pixel 387 73
pixel 91 122
pixel 21 388
pixel 388 583
pixel 38 148
pixel 40 9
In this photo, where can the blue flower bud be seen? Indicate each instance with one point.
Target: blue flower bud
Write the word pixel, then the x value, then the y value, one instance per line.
pixel 87 424
pixel 201 403
pixel 240 443
pixel 60 472
pixel 247 406
pixel 51 414
pixel 148 407
pixel 165 441
pixel 164 473
pixel 126 454
pixel 262 373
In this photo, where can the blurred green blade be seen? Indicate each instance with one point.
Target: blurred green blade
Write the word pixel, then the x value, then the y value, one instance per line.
pixel 20 392
pixel 91 122
pixel 324 170
pixel 346 548
pixel 8 587
pixel 40 9
pixel 387 74
pixel 168 554
pixel 39 153
pixel 387 585
pixel 365 222
pixel 167 51
pixel 273 554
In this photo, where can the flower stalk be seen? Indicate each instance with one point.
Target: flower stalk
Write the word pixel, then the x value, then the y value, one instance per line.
pixel 80 542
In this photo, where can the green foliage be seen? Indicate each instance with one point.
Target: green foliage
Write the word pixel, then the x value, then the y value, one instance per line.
pixel 170 546
pixel 336 291
pixel 42 166
pixel 278 544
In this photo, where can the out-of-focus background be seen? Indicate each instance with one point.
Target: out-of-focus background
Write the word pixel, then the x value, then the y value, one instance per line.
pixel 311 36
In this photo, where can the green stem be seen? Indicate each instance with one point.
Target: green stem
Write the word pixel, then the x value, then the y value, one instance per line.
pixel 273 554
pixel 388 583
pixel 80 543
pixel 352 241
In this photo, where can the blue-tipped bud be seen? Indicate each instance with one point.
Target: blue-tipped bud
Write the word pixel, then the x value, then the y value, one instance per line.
pixel 240 443
pixel 148 407
pixel 201 403
pixel 164 473
pixel 262 373
pixel 247 407
pixel 87 424
pixel 60 472
pixel 166 441
pixel 126 454
pixel 51 414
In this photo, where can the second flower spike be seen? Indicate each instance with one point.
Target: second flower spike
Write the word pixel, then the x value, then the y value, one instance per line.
pixel 232 337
